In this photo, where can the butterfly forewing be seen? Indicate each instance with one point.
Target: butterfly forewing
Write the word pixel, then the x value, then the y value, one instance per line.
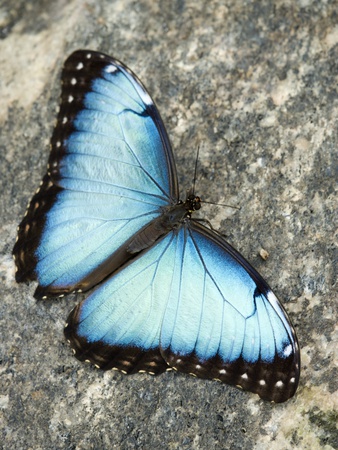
pixel 30 229
pixel 110 172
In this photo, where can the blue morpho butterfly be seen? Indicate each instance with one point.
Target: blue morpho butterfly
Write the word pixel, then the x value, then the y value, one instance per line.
pixel 172 293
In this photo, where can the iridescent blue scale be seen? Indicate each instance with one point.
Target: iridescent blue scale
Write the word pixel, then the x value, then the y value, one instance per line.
pixel 171 293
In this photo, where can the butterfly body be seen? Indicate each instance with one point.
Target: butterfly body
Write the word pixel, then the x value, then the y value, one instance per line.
pixel 171 218
pixel 171 293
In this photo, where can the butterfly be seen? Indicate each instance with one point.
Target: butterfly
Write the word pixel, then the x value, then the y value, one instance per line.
pixel 170 292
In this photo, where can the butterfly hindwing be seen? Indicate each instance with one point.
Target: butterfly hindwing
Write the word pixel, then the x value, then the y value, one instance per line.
pixel 110 172
pixel 224 322
pixel 119 324
pixel 193 299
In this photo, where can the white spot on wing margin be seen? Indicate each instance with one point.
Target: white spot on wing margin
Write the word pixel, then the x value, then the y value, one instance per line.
pixel 145 97
pixel 111 69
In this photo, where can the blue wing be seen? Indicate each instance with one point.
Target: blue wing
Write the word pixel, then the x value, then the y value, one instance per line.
pixel 110 172
pixel 194 304
pixel 119 324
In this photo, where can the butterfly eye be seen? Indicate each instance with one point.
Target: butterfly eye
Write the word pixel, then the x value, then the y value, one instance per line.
pixel 193 203
pixel 197 203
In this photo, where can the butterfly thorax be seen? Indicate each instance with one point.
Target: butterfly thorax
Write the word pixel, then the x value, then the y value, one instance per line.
pixel 171 218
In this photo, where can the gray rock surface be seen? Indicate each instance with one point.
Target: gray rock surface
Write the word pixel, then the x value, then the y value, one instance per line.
pixel 254 84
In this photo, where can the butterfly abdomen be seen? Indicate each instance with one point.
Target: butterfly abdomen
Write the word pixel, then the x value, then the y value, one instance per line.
pixel 169 220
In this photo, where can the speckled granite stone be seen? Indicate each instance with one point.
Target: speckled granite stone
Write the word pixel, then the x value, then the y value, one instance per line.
pixel 254 84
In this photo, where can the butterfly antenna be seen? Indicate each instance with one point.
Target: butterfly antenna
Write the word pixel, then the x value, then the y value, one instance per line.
pixel 221 204
pixel 195 173
pixel 194 183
